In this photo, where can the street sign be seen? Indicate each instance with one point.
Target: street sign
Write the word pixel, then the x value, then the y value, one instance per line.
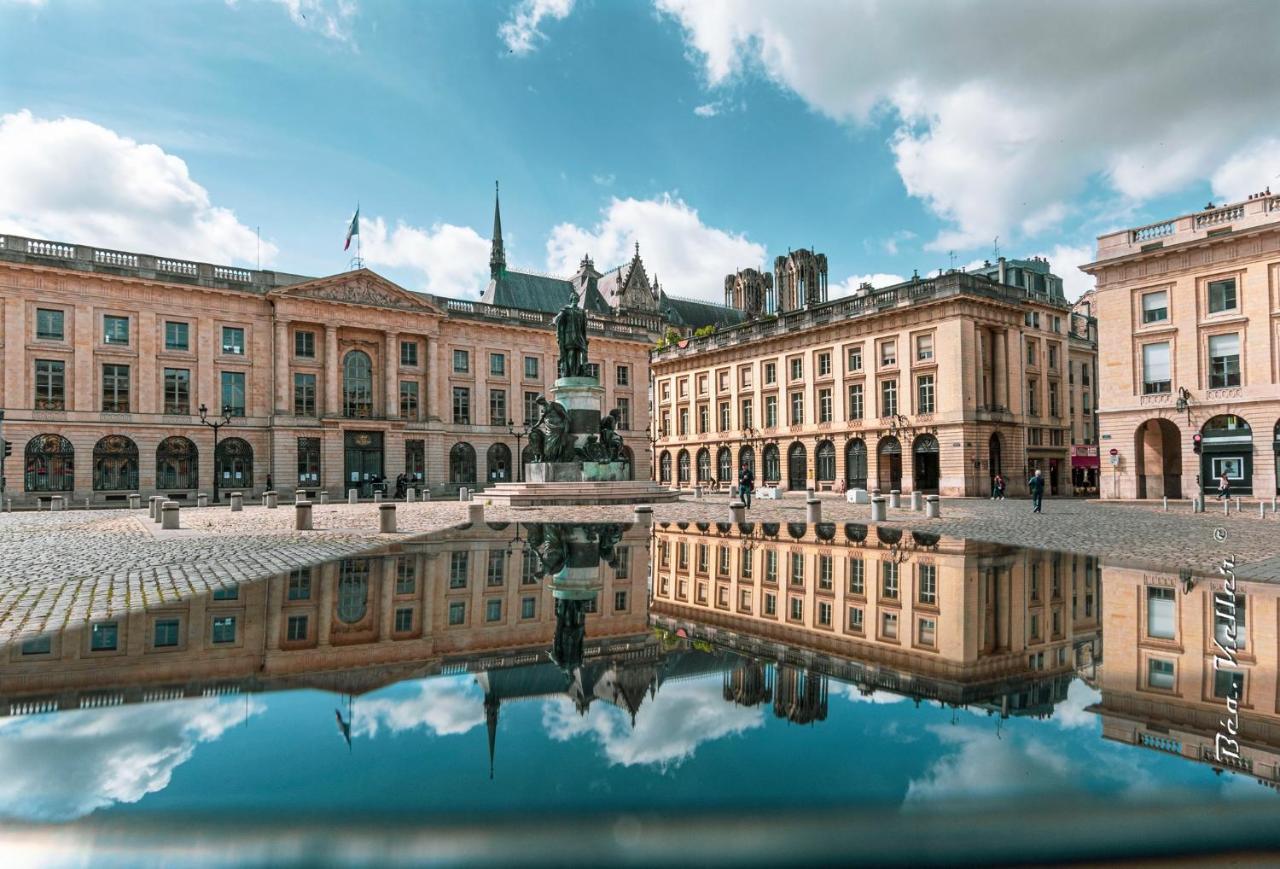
pixel 1114 451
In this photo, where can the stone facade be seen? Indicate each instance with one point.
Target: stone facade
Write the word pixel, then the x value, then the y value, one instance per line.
pixel 1189 314
pixel 932 385
pixel 115 352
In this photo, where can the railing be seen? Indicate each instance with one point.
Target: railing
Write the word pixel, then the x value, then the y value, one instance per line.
pixel 226 273
pixel 1220 215
pixel 637 326
pixel 115 258
pixel 1160 743
pixel 177 267
pixel 51 248
pixel 1154 231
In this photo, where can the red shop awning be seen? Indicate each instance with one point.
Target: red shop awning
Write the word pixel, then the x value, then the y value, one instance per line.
pixel 1084 461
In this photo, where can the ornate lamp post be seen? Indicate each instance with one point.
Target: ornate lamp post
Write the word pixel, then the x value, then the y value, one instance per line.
pixel 518 434
pixel 1183 403
pixel 218 423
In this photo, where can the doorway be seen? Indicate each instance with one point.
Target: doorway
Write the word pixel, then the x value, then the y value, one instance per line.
pixel 363 465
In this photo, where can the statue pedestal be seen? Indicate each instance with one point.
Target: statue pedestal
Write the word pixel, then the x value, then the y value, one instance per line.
pixel 583 398
pixel 575 472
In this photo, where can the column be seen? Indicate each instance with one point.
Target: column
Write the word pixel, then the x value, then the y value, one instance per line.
pixel 433 379
pixel 282 403
pixel 327 579
pixel 386 615
pixel 332 372
pixel 391 367
pixel 1000 367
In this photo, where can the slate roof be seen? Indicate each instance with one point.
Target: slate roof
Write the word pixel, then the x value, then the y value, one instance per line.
pixel 695 315
pixel 535 292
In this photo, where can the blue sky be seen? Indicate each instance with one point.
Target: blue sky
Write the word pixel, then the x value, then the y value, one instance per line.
pixel 716 133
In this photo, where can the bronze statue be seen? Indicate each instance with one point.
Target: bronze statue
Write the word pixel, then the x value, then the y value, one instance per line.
pixel 609 437
pixel 571 338
pixel 549 439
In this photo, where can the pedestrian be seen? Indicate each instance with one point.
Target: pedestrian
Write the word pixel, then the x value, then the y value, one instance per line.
pixel 402 485
pixel 997 488
pixel 746 482
pixel 1224 487
pixel 1036 485
pixel 269 487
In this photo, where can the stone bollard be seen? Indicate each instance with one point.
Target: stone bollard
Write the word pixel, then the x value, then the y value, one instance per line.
pixel 410 495
pixel 1197 504
pixel 878 510
pixel 1262 510
pixel 917 501
pixel 1237 504
pixel 1226 506
pixel 324 497
pixel 932 507
pixel 464 494
pixel 895 498
pixel 202 500
pixel 475 512
pixel 1166 503
pixel 170 511
pixel 86 503
pixel 352 497
pixel 302 515
pixel 377 497
pixel 737 511
pixel 387 518
pixel 644 515
pixel 55 503
pixel 813 511
pixel 299 495
pixel 271 499
pixel 426 494
pixel 237 501
pixel 808 493
pixel 876 493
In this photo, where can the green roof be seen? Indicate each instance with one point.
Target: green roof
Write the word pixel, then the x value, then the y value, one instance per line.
pixel 539 293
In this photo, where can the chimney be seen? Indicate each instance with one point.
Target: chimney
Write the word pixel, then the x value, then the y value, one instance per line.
pixel 1002 270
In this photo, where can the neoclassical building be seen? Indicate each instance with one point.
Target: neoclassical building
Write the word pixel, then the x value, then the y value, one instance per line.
pixel 107 357
pixel 935 384
pixel 1189 312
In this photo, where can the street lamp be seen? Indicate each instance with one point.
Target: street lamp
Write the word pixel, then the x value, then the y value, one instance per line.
pixel 215 425
pixel 517 433
pixel 1184 402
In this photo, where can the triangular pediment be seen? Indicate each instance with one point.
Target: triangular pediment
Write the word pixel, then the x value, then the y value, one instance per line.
pixel 359 287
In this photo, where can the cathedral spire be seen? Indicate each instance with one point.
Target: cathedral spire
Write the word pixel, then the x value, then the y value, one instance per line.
pixel 497 255
pixel 491 705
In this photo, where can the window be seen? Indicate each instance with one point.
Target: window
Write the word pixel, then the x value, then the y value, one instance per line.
pixel 1033 389
pixel 49 324
pixel 300 584
pixel 530 408
pixel 308 461
pixel 461 361
pixel 927 580
pixel 770 411
pixel 855 358
pixel 924 393
pixel 724 416
pixel 457 612
pixel 115 388
pixel 593 371
pixel 1160 674
pixel 1228 683
pixel 889 626
pixel 797 408
pixel 1053 398
pixel 496 569
pixel 924 348
pixel 770 605
pixel 1156 377
pixel 38 645
pixel 462 405
pixel 797 568
pixel 623 554
pixel 304 395
pixel 51 384
pixel 857 576
pixel 458 566
pixel 624 414
pixel 855 401
pixel 855 619
pixel 770 372
pixel 624 375
pixel 1224 360
pixel 888 397
pixel 104 637
pixel 406 575
pixel 177 391
pixel 1053 355
pixel 404 620
pixel 824 364
pixel 233 392
pixel 797 369
pixel 620 601
pixel 927 633
pixel 408 399
pixel 748 420
pixel 304 344
pixel 224 629
pixel 1222 295
pixel 704 415
pixel 824 405
pixel 227 592
pixel 888 354
pixel 1229 621
pixel 531 367
pixel 296 630
pixel 1160 612
pixel 684 420
pixel 797 609
pixel 825 571
pixel 1032 352
pixel 824 613
pixel 497 406
pixel 233 340
pixel 165 635
pixel 528 607
pixel 409 354
pixel 889 580
pixel 357 385
pixel 177 336
pixel 115 330
pixel 498 364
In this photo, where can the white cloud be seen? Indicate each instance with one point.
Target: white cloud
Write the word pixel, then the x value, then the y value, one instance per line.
pixel 1071 713
pixel 604 180
pixel 65 765
pixel 1065 261
pixel 707 110
pixel 453 260
pixel 1004 114
pixel 851 284
pixel 332 19
pixel 520 32
pixel 73 180
pixel 1250 171
pixel 669 728
pixel 445 706
pixel 983 765
pixel 689 257
pixel 854 693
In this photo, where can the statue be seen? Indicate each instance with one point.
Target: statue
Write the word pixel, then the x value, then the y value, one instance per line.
pixel 571 338
pixel 592 450
pixel 549 439
pixel 609 437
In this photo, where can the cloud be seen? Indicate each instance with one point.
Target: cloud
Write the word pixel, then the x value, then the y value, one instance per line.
pixel 1071 713
pixel 669 728
pixel 332 19
pixel 1251 170
pixel 982 765
pixel 446 707
pixel 1001 141
pixel 66 765
pixel 690 258
pixel 1065 261
pixel 73 180
pixel 854 694
pixel 891 243
pixel 604 180
pixel 851 284
pixel 707 110
pixel 520 32
pixel 453 260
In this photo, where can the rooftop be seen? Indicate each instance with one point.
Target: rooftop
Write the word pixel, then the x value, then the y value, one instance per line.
pixel 1213 221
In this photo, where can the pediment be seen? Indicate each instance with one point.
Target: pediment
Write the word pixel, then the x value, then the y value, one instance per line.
pixel 360 287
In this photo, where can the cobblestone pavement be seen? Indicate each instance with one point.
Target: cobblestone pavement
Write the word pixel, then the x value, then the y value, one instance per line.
pixel 59 568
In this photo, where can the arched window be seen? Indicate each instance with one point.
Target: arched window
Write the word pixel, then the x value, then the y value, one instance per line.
pixel 50 464
pixel 797 467
pixel 704 465
pixel 772 464
pixel 825 458
pixel 855 464
pixel 234 464
pixel 724 465
pixel 353 590
pixel 927 463
pixel 498 462
pixel 664 467
pixel 889 461
pixel 357 385
pixel 682 467
pixel 115 464
pixel 462 463
pixel 747 459
pixel 177 464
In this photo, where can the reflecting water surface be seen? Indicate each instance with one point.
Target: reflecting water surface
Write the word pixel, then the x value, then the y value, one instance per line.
pixel 502 672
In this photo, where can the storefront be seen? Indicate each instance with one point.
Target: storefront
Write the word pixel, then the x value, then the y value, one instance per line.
pixel 1084 469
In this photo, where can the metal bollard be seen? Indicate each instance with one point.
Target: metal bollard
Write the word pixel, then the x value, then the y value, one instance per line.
pixel 202 500
pixel 737 511
pixel 387 518
pixel 643 515
pixel 895 498
pixel 352 498
pixel 237 501
pixel 917 501
pixel 377 497
pixel 1262 510
pixel 1237 503
pixel 932 507
pixel 813 511
pixel 1166 503
pixel 170 511
pixel 1226 506
pixel 302 515
pixel 324 497
pixel 475 512
pixel 879 510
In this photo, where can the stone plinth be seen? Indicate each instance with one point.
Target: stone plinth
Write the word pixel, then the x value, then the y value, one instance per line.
pixel 575 472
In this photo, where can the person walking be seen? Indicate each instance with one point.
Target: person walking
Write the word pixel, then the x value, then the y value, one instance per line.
pixel 1036 485
pixel 1224 487
pixel 997 488
pixel 746 482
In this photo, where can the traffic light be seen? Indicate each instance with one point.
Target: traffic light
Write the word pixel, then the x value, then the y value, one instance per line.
pixel 8 449
pixel 1195 443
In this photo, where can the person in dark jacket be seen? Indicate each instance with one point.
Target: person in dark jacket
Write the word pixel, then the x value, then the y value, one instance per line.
pixel 1036 486
pixel 746 482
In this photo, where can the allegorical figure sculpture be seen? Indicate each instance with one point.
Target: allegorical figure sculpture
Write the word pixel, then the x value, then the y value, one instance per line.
pixel 609 437
pixel 549 439
pixel 571 338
